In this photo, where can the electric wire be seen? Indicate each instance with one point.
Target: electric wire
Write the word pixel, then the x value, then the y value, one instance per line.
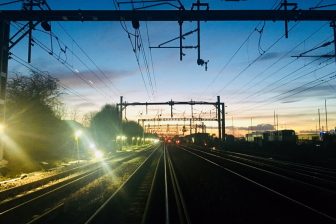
pixel 284 84
pixel 236 52
pixel 46 74
pixel 254 61
pixel 76 56
pixel 64 63
pixel 136 46
pixel 276 98
pixel 116 90
pixel 9 3
pixel 251 82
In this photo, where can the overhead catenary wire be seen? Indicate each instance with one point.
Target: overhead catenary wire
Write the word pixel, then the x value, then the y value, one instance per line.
pixel 9 3
pixel 236 52
pixel 136 47
pixel 116 90
pixel 70 68
pixel 66 48
pixel 146 63
pixel 67 65
pixel 251 82
pixel 44 73
pixel 284 77
pixel 258 58
pixel 290 81
pixel 254 61
pixel 151 56
pixel 276 98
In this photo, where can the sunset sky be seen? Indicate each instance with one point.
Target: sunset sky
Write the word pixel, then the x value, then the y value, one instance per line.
pixel 254 81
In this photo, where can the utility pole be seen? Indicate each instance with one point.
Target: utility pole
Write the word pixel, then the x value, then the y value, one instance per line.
pixel 223 122
pixel 274 120
pixel 277 120
pixel 319 119
pixel 326 114
pixel 190 126
pixel 4 51
pixel 251 126
pixel 219 118
pixel 232 127
pixel 120 119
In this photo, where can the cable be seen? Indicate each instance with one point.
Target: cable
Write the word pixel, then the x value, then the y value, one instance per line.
pixel 8 3
pixel 64 50
pixel 313 71
pixel 151 57
pixel 146 63
pixel 255 60
pixel 250 83
pixel 138 45
pixel 92 61
pixel 33 68
pixel 68 66
pixel 236 52
pixel 273 98
pixel 229 61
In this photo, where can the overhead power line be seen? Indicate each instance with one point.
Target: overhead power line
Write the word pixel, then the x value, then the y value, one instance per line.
pixel 276 98
pixel 254 61
pixel 9 3
pixel 64 63
pixel 44 73
pixel 116 90
pixel 251 82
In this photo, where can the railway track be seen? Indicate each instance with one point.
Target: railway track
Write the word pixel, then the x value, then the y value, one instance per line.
pixel 40 205
pixel 152 194
pixel 319 177
pixel 308 187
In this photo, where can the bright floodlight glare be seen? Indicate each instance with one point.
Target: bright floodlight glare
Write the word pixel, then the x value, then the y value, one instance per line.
pixel 78 133
pixel 2 128
pixel 98 154
pixel 92 146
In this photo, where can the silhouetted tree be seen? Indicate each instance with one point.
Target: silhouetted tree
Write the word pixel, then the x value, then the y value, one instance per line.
pixel 105 126
pixel 132 129
pixel 32 120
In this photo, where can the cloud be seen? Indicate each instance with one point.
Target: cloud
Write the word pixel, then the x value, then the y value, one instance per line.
pixel 86 104
pixel 94 77
pixel 269 56
pixel 322 91
pixel 259 127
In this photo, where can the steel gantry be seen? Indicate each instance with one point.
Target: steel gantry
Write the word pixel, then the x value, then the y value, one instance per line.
pixel 190 120
pixel 220 110
pixel 168 15
pixel 35 17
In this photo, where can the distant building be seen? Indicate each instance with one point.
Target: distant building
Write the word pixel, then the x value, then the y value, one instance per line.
pixel 254 136
pixel 283 136
pixel 308 137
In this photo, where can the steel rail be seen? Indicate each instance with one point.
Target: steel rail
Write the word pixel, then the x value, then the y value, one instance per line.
pixel 300 165
pixel 181 205
pixel 270 172
pixel 166 184
pixel 121 187
pixel 330 218
pixel 46 214
pixel 151 192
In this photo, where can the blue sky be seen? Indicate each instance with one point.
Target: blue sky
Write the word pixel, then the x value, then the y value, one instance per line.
pixel 276 81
